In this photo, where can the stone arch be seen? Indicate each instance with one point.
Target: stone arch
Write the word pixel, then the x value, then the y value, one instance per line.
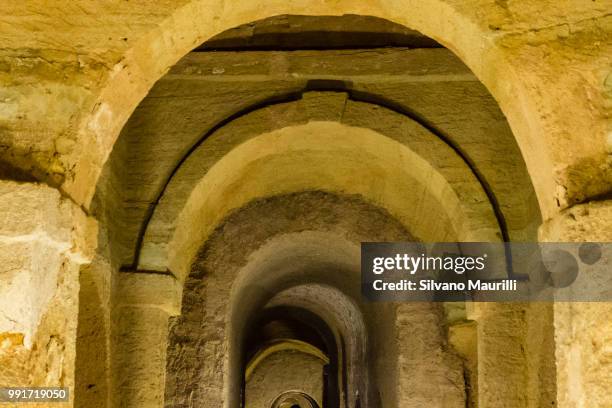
pixel 341 313
pixel 311 128
pixel 562 46
pixel 320 122
pixel 282 251
pixel 338 311
pixel 315 371
pixel 281 345
pixel 292 398
pixel 198 20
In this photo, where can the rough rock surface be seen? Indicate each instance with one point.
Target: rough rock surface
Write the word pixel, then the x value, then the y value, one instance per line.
pixel 73 72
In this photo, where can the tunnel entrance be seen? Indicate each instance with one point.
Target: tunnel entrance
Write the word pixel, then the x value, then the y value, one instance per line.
pixel 259 164
pixel 289 349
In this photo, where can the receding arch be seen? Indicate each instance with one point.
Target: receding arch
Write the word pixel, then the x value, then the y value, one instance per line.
pixel 283 248
pixel 216 162
pixel 317 362
pixel 282 345
pixel 292 399
pixel 275 192
pixel 343 316
pixel 331 157
pixel 199 20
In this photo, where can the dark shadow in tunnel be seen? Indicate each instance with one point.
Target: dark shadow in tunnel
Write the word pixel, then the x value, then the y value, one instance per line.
pixel 286 322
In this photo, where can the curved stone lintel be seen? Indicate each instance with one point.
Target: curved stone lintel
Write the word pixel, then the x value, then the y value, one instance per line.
pixel 472 34
pixel 301 138
pixel 283 345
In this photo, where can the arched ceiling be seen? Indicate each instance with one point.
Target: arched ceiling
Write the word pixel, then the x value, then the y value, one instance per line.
pixel 280 346
pixel 296 250
pixel 298 32
pixel 259 250
pixel 328 156
pixel 212 102
pixel 82 71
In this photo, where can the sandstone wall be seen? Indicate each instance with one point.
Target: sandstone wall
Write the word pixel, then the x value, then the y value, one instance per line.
pixel 72 73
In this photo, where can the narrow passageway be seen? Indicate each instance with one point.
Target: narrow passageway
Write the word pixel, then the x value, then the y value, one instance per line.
pixel 186 188
pixel 252 172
